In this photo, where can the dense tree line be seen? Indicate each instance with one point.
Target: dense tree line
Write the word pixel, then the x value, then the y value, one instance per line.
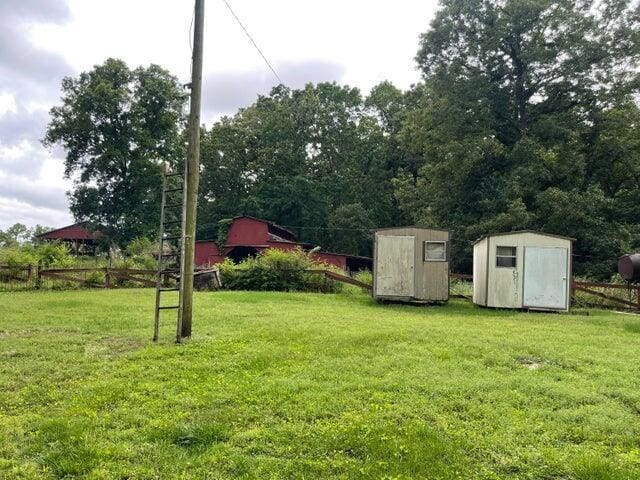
pixel 526 117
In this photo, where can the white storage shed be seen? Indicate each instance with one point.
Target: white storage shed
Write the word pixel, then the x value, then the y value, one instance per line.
pixel 411 265
pixel 524 269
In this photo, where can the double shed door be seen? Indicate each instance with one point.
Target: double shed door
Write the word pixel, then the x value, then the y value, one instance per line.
pixel 546 273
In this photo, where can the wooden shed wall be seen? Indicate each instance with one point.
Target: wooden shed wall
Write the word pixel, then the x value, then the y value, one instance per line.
pixel 480 272
pixel 431 279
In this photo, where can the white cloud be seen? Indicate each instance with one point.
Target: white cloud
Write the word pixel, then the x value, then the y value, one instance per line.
pixel 7 104
pixel 358 42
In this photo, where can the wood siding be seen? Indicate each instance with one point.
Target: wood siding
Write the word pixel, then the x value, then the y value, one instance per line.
pixel 431 279
pixel 480 272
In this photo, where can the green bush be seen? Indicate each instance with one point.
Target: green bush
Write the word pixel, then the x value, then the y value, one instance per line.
pixel 276 270
pixel 364 276
pixel 18 256
pixel 141 254
pixel 54 255
pixel 50 254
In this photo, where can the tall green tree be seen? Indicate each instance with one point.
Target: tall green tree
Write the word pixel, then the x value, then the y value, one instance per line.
pixel 297 157
pixel 14 235
pixel 518 99
pixel 117 126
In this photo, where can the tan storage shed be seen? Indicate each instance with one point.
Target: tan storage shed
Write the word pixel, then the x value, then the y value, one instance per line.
pixel 411 265
pixel 523 269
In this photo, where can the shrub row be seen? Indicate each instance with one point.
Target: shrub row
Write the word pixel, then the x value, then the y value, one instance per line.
pixel 278 270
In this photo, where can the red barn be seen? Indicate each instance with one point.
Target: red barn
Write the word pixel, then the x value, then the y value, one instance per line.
pixel 207 253
pixel 248 236
pixel 78 236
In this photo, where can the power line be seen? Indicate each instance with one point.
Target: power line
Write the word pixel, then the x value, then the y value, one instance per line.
pixel 253 41
pixel 300 227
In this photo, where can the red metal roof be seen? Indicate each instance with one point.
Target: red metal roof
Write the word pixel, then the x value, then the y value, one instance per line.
pixel 74 232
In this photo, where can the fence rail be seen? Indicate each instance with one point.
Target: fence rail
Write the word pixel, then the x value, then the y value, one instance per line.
pixel 590 288
pixel 341 278
pixel 27 277
pixel 32 277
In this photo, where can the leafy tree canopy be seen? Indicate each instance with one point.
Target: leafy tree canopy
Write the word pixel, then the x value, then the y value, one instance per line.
pixel 117 126
pixel 527 119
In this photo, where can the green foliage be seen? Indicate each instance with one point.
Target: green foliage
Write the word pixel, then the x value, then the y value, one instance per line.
pixel 275 270
pixel 142 253
pixel 19 234
pixel 351 230
pixel 297 157
pixel 54 255
pixel 364 276
pixel 224 226
pixel 512 129
pixel 115 123
pixel 300 385
pixel 48 254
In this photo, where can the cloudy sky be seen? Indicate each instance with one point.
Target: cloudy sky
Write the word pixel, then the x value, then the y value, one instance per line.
pixel 357 42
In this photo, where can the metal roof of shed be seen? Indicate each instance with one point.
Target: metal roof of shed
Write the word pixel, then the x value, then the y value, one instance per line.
pixel 515 232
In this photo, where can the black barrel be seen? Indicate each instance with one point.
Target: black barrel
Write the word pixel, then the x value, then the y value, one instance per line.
pixel 629 267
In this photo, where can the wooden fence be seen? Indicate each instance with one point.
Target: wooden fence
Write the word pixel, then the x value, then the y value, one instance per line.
pixel 30 277
pixel 602 291
pixel 26 277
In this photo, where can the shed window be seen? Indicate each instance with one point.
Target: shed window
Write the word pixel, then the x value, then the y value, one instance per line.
pixel 506 257
pixel 435 251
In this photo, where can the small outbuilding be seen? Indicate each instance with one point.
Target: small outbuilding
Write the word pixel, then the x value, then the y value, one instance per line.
pixel 411 265
pixel 524 269
pixel 79 237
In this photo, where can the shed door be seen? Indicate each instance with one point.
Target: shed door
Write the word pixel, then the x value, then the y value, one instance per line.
pixel 545 277
pixel 395 257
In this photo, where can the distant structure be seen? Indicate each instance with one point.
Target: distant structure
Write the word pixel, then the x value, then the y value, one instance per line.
pixel 629 267
pixel 524 269
pixel 249 236
pixel 77 236
pixel 411 265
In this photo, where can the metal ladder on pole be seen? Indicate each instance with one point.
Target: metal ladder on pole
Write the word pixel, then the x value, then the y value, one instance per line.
pixel 171 248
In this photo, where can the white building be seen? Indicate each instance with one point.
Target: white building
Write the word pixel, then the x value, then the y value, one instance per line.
pixel 524 269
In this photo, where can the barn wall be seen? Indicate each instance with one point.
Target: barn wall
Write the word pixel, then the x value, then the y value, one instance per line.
pixel 247 231
pixel 480 272
pixel 206 253
pixel 506 284
pixel 339 261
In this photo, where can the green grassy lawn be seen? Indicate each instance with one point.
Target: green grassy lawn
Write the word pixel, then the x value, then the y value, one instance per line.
pixel 277 385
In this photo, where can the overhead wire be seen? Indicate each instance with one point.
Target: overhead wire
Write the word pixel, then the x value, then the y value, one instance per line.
pixel 266 60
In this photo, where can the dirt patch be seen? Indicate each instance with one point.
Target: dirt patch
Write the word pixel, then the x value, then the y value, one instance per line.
pixel 532 363
pixel 112 347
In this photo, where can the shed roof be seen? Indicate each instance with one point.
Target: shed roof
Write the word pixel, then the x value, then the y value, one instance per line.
pixel 515 232
pixel 414 227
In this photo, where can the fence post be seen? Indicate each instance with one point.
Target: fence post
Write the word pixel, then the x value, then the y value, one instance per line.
pixel 39 275
pixel 107 278
pixel 29 273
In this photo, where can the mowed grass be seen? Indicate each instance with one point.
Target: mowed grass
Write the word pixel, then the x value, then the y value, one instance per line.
pixel 284 385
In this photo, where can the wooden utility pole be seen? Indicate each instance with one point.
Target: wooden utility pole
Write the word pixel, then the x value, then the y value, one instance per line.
pixel 192 178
